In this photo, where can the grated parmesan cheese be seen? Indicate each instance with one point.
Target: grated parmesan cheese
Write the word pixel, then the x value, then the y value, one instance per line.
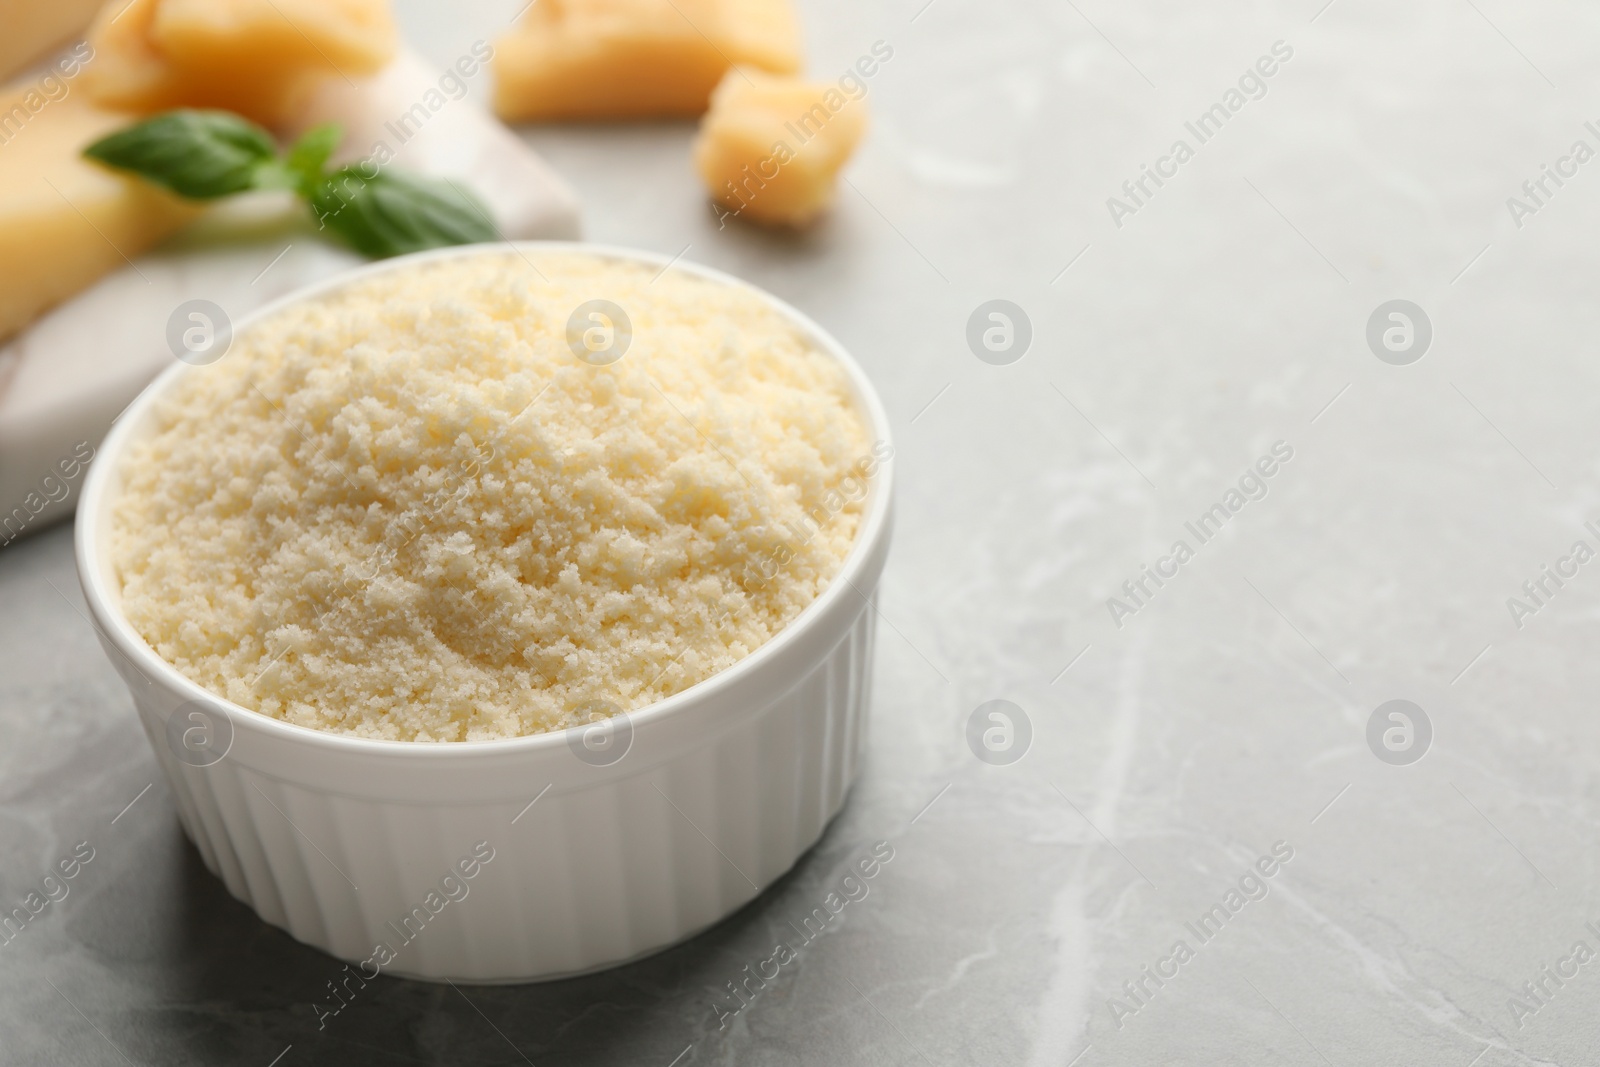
pixel 408 510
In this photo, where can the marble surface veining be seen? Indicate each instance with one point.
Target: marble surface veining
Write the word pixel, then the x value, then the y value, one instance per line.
pixel 1176 740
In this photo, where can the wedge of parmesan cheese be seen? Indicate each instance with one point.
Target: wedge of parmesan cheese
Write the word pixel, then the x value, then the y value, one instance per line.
pixel 65 221
pixel 624 59
pixel 260 58
pixel 35 28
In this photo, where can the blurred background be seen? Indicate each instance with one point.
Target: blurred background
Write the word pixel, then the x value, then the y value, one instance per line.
pixel 1178 333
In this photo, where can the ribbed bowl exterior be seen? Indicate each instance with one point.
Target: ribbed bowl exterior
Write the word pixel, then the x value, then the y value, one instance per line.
pixel 530 858
pixel 607 865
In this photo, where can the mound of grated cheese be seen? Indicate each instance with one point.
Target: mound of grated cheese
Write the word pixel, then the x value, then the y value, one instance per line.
pixel 407 510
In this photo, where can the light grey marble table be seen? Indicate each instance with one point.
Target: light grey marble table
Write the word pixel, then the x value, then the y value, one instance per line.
pixel 1225 713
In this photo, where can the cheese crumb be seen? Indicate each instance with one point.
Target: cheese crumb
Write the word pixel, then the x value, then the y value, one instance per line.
pixel 408 510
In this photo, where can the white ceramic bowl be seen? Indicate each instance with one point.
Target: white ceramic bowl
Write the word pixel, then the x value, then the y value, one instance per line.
pixel 351 844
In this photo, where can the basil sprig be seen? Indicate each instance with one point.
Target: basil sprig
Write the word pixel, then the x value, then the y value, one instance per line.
pixel 203 155
pixel 396 212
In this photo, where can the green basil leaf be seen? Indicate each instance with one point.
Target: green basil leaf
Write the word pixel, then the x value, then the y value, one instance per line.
pixel 308 157
pixel 393 212
pixel 200 155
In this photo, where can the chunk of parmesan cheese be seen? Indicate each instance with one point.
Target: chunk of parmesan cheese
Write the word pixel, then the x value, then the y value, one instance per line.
pixel 771 147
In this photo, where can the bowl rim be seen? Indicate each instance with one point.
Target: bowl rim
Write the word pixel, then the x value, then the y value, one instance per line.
pixel 92 512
